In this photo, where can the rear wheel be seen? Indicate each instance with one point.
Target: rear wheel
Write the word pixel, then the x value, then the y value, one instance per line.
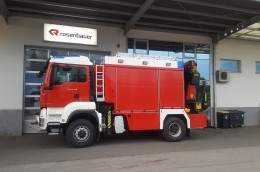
pixel 174 129
pixel 81 133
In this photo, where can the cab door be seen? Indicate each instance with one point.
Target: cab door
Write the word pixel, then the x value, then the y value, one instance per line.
pixel 67 86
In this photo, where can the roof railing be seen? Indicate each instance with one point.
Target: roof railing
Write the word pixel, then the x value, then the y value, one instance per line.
pixel 144 56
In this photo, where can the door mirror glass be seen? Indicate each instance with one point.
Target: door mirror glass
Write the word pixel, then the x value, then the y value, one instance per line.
pixel 40 74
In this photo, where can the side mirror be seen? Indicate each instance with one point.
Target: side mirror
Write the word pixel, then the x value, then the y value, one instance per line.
pixel 40 74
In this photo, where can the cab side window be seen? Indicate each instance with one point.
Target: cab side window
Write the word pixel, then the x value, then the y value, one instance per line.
pixel 70 74
pixel 82 75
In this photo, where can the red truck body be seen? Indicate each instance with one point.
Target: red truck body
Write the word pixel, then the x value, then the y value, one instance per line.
pixel 140 92
pixel 122 94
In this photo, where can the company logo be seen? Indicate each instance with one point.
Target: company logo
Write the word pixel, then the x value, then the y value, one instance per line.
pixel 76 35
pixel 69 34
pixel 54 32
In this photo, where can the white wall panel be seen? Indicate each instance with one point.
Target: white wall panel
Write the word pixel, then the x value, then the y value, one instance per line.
pixel 243 90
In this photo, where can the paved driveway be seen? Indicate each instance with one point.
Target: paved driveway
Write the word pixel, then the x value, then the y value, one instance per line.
pixel 211 149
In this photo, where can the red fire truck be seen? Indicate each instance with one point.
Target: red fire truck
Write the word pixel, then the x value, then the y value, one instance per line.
pixel 126 93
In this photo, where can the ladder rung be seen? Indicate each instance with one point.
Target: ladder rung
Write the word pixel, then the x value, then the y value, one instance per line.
pixel 100 85
pixel 100 99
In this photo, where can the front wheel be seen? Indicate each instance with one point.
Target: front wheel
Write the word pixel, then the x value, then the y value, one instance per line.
pixel 174 129
pixel 81 133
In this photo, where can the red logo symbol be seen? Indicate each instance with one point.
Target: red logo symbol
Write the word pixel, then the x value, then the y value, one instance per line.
pixel 54 32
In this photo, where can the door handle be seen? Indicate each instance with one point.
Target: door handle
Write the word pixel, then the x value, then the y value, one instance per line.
pixel 76 96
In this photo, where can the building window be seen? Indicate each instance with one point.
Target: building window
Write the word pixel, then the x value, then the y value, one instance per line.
pixel 163 48
pixel 189 51
pixel 182 52
pixel 156 48
pixel 140 46
pixel 257 67
pixel 130 43
pixel 203 60
pixel 230 65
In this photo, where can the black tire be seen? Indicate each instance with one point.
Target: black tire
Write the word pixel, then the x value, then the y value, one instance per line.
pixel 81 133
pixel 174 129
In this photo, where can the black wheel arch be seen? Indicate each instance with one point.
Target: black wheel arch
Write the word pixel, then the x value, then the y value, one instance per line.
pixel 181 116
pixel 90 115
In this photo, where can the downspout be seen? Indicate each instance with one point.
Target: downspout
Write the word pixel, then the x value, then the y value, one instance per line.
pixel 213 121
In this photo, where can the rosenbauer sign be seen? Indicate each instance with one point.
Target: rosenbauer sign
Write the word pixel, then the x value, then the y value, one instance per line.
pixel 70 34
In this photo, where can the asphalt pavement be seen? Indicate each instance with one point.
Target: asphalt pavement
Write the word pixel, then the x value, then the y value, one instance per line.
pixel 210 149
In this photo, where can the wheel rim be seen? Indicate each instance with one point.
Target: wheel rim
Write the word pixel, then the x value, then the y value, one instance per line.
pixel 175 129
pixel 81 133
